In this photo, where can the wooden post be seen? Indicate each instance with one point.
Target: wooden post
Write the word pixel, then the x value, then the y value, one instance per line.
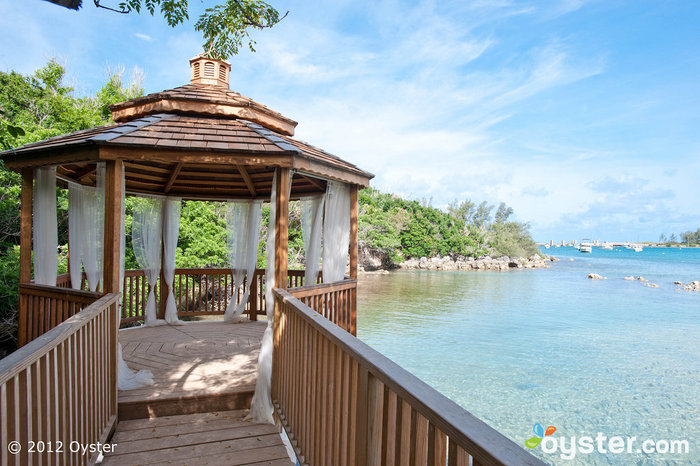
pixel 354 211
pixel 253 314
pixel 25 229
pixel 113 218
pixel 25 249
pixel 281 251
pixel 281 228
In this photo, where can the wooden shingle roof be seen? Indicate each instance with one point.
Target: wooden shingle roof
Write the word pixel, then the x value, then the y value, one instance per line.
pixel 197 141
pixel 202 99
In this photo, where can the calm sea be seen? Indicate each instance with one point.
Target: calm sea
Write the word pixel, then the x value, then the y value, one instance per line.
pixel 552 347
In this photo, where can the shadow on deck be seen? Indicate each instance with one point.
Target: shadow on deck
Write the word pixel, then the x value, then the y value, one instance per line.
pixel 197 367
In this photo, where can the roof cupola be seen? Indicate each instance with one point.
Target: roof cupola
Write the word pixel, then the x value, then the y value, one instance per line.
pixel 209 71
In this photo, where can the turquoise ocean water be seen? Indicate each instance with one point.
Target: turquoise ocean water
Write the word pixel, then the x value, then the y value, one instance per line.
pixel 550 346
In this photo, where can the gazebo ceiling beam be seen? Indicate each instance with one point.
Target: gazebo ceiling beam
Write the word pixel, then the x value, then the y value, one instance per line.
pixel 152 154
pixel 55 156
pixel 173 177
pixel 246 178
pixel 80 174
pixel 312 181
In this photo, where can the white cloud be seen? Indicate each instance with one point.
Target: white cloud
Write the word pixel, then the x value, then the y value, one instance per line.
pixel 142 36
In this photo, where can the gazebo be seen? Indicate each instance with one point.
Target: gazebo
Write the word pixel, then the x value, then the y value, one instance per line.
pixel 339 401
pixel 200 141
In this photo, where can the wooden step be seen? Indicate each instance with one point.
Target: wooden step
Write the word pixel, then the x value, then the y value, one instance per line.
pixel 217 438
pixel 233 399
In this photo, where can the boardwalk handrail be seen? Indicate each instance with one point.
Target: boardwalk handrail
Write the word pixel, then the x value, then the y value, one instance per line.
pixel 344 403
pixel 62 388
pixel 336 301
pixel 43 307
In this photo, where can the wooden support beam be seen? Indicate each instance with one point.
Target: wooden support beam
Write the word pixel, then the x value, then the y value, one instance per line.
pixel 78 175
pixel 246 178
pixel 281 228
pixel 113 217
pixel 313 181
pixel 354 212
pixel 25 250
pixel 25 229
pixel 173 177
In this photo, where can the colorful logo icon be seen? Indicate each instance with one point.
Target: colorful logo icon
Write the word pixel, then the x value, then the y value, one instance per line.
pixel 539 431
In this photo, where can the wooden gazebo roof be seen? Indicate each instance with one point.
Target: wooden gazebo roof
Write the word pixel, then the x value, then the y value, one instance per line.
pixel 198 141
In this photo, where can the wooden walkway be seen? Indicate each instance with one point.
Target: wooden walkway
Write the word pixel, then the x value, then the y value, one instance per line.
pixel 218 438
pixel 197 367
pixel 204 375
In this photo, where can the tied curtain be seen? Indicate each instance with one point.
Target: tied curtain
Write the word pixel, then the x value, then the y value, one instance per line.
pixel 336 231
pixel 311 229
pixel 261 408
pixel 86 231
pixel 242 229
pixel 171 227
pixel 45 227
pixel 147 232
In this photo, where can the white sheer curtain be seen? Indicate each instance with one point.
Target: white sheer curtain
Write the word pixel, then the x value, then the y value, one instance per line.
pixel 171 226
pixel 146 234
pixel 261 409
pixel 336 231
pixel 93 229
pixel 311 228
pixel 126 378
pixel 45 227
pixel 242 229
pixel 76 240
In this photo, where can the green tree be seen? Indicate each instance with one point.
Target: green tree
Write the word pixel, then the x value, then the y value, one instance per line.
pixel 225 27
pixel 33 108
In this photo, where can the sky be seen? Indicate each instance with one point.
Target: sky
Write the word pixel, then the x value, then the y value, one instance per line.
pixel 582 115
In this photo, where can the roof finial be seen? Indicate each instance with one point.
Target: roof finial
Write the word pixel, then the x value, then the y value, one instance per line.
pixel 209 71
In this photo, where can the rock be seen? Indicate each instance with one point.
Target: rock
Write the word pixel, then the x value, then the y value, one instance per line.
pixel 651 285
pixel 642 279
pixel 693 286
pixel 571 260
pixel 629 278
pixel 595 276
pixel 374 259
pixel 677 282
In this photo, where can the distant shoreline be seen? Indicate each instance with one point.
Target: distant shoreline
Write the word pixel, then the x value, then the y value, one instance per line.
pixel 369 264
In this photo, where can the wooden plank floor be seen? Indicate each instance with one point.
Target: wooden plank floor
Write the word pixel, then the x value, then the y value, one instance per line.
pixel 192 359
pixel 218 438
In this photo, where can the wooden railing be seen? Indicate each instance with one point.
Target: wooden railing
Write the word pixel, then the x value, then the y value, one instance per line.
pixel 41 308
pixel 199 292
pixel 343 403
pixel 335 301
pixel 60 390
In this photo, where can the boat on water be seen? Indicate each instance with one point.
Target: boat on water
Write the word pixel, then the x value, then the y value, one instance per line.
pixel 637 248
pixel 608 246
pixel 586 246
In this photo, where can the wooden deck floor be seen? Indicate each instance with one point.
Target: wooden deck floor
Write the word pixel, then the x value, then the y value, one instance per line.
pixel 218 438
pixel 204 375
pixel 193 366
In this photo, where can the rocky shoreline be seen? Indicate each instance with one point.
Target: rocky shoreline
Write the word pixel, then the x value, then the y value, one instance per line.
pixel 373 261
